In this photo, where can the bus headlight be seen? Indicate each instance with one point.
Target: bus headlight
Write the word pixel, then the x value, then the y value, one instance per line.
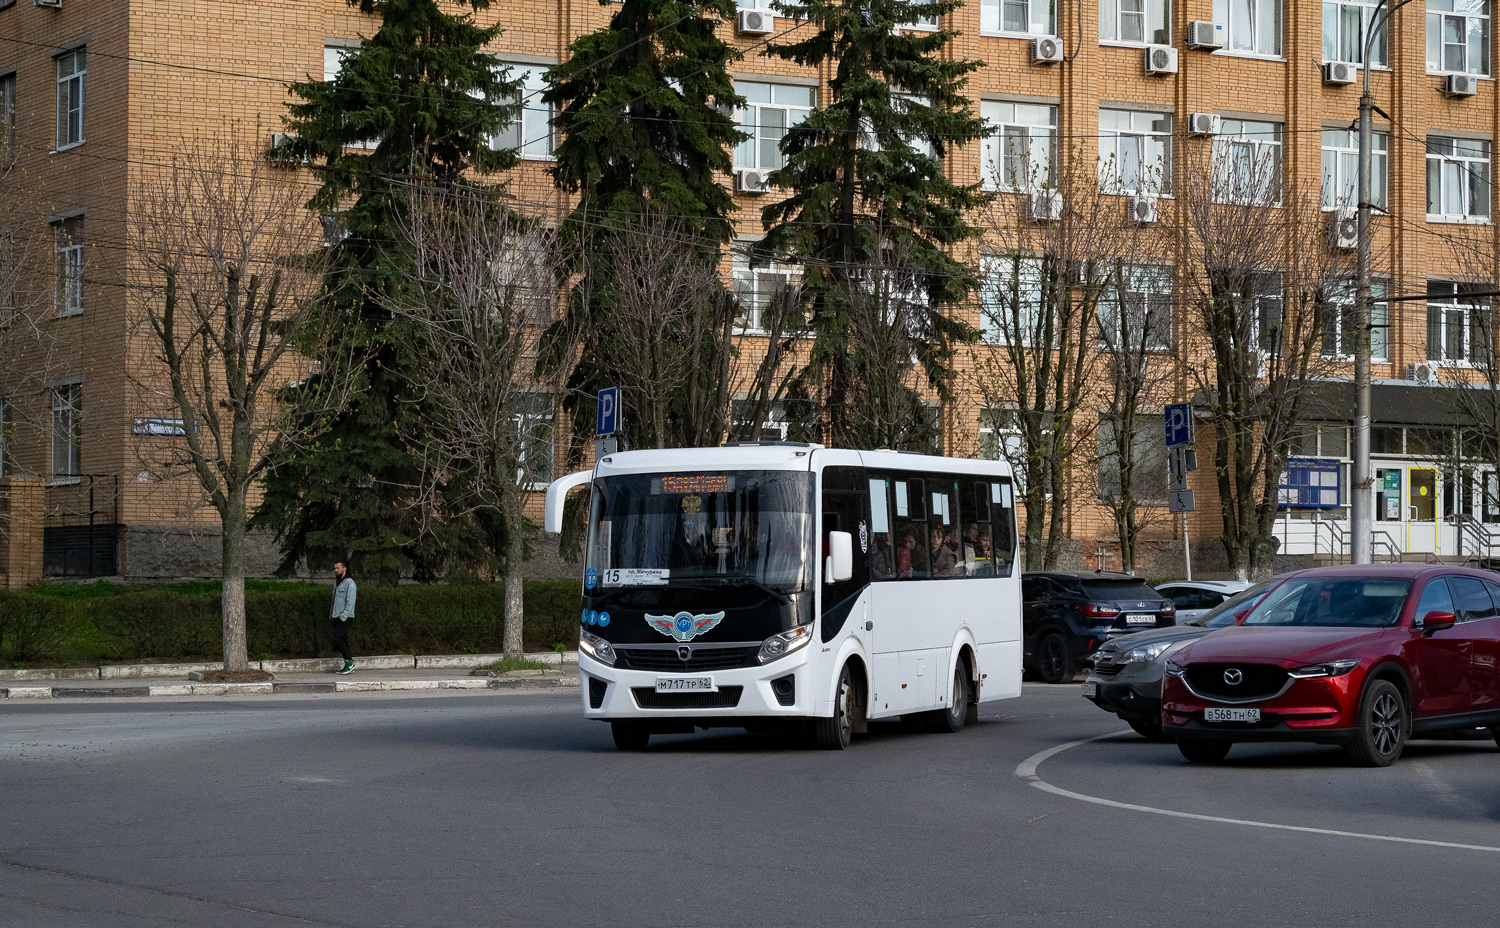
pixel 596 647
pixel 785 643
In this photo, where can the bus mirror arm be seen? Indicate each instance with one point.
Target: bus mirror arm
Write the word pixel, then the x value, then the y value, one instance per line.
pixel 839 565
pixel 557 492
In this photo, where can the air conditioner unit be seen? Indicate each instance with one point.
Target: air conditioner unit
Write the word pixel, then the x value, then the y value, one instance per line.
pixel 1141 209
pixel 1339 72
pixel 54 4
pixel 1046 51
pixel 1205 35
pixel 1422 372
pixel 1461 85
pixel 1343 230
pixel 755 22
pixel 1205 124
pixel 750 181
pixel 1161 59
pixel 1044 206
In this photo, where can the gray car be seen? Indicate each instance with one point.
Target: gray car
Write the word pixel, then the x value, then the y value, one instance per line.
pixel 1126 678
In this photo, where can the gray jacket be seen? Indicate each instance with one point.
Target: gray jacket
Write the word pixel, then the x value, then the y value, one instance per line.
pixel 343 599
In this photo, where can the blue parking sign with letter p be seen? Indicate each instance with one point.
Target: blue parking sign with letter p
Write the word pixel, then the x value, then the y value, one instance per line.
pixel 608 421
pixel 1179 418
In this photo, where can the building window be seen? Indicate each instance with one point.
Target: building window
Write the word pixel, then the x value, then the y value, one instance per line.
pixel 8 152
pixel 1460 327
pixel 1458 36
pixel 333 62
pixel 530 133
pixel 1136 313
pixel 1025 17
pixel 772 428
pixel 1011 299
pixel 1336 320
pixel 67 416
pixel 1344 25
pixel 1148 459
pixel 1247 163
pixel 1458 180
pixel 1341 168
pixel 1136 22
pixel 533 422
pixel 770 110
pixel 918 20
pixel 71 68
pixel 67 278
pixel 1019 153
pixel 1135 152
pixel 1251 27
pixel 8 278
pixel 757 287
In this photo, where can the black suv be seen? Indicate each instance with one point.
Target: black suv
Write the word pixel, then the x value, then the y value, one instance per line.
pixel 1066 616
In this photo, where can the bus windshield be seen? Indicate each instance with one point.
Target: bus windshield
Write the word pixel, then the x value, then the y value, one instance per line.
pixel 734 527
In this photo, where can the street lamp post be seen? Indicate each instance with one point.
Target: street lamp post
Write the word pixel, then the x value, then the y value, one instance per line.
pixel 1362 502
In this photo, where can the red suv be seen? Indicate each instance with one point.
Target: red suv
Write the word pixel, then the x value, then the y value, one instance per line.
pixel 1358 656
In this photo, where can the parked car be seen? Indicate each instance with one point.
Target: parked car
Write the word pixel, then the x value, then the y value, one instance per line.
pixel 1362 656
pixel 1195 597
pixel 1066 616
pixel 1128 670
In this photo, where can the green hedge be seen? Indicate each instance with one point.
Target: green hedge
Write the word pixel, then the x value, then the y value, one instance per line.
pixel 104 622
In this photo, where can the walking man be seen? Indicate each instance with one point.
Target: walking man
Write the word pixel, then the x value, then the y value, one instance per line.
pixel 343 612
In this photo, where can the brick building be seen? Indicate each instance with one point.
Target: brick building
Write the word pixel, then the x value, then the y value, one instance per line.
pixel 97 92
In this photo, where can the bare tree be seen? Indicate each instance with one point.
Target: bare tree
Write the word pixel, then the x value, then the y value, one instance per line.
pixel 482 293
pixel 1254 267
pixel 769 354
pixel 29 346
pixel 229 302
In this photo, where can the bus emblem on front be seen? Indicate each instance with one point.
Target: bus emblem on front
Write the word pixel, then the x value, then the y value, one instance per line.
pixel 684 626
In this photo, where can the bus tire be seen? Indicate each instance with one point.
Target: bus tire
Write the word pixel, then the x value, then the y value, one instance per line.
pixel 1053 662
pixel 833 734
pixel 630 736
pixel 952 718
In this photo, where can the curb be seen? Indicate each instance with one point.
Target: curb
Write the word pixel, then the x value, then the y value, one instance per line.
pixel 295 665
pixel 297 688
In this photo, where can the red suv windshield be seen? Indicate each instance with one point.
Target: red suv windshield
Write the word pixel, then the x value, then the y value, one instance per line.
pixel 1371 602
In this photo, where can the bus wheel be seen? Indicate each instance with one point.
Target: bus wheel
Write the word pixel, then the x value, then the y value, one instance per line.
pixel 952 718
pixel 833 734
pixel 630 736
pixel 1053 663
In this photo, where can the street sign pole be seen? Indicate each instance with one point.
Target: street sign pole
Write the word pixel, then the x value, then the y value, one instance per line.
pixel 607 423
pixel 1181 458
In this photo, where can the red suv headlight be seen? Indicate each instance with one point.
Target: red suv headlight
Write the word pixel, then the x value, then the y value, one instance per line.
pixel 1330 669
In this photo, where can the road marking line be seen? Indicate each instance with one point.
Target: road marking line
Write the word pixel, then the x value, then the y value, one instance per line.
pixel 1027 771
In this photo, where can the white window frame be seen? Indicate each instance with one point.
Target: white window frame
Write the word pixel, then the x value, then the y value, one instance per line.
pixel 1119 19
pixel 1248 142
pixel 1337 320
pixel 1021 277
pixel 1445 299
pixel 530 133
pixel 72 72
pixel 1148 295
pixel 1149 136
pixel 1041 17
pixel 755 285
pixel 333 62
pixel 755 118
pixel 919 23
pixel 1462 169
pixel 1341 167
pixel 67 438
pixel 1471 17
pixel 1011 123
pixel 1343 40
pixel 541 412
pixel 68 266
pixel 1149 446
pixel 773 428
pixel 1246 32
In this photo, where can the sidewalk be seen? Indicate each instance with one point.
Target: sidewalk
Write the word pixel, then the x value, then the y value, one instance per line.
pixel 380 674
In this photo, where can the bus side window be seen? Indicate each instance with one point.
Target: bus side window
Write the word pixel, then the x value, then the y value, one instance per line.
pixel 911 530
pixel 943 532
pixel 882 550
pixel 1003 527
pixel 977 511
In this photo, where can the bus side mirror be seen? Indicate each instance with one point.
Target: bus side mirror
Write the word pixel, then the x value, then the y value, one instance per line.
pixel 839 565
pixel 557 493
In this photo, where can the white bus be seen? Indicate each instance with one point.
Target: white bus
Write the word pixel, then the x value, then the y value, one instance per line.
pixel 739 585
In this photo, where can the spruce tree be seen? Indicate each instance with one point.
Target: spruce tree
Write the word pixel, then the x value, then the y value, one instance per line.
pixel 643 113
pixel 414 105
pixel 867 200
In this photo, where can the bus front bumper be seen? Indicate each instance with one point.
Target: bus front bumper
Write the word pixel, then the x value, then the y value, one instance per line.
pixel 780 689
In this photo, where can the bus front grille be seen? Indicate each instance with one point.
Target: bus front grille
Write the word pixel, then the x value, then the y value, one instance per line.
pixel 702 659
pixel 647 697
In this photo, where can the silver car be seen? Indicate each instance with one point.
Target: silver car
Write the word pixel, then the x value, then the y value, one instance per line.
pixel 1195 597
pixel 1128 670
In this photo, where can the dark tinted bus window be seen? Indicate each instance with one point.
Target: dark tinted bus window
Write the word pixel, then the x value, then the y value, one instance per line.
pixel 882 529
pixel 1002 539
pixel 942 530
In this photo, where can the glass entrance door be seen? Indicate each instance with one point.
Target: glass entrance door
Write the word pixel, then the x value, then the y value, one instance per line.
pixel 1422 509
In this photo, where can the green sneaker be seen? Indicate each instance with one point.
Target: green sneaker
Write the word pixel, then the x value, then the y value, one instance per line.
pixel 348 667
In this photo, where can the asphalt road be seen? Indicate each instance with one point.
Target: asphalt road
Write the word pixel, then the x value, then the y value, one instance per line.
pixel 510 809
